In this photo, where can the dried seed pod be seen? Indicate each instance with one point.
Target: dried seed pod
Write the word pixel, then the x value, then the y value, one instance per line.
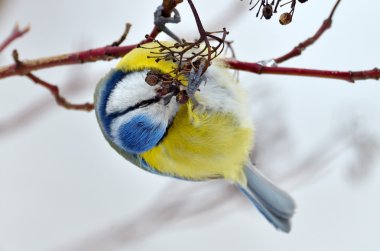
pixel 165 77
pixel 151 79
pixel 182 97
pixel 163 91
pixel 187 66
pixel 285 18
pixel 267 11
pixel 167 84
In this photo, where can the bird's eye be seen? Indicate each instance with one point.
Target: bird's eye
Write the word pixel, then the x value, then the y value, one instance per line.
pixel 140 104
pixel 146 102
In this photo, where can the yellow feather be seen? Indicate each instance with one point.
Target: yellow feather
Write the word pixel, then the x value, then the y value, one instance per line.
pixel 141 58
pixel 214 146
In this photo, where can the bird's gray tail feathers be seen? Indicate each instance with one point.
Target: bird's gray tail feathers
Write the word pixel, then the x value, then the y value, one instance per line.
pixel 275 204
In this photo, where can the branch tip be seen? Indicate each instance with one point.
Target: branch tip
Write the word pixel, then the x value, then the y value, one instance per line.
pixel 350 76
pixel 61 101
pixel 16 33
pixel 296 51
pixel 123 36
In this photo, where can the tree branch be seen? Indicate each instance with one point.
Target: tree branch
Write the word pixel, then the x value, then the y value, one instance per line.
pixel 311 40
pixel 123 36
pixel 98 54
pixel 61 101
pixel 350 76
pixel 103 53
pixel 109 52
pixel 16 33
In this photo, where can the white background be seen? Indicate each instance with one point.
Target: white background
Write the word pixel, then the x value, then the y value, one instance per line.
pixel 63 188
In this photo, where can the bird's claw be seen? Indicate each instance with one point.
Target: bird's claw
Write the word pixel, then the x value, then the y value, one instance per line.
pixel 195 80
pixel 160 21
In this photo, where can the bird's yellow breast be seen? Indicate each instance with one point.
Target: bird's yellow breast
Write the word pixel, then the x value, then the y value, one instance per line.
pixel 213 146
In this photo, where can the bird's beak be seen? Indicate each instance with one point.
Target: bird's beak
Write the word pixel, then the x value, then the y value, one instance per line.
pixel 167 98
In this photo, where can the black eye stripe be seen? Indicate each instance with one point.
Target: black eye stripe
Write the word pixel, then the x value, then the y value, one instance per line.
pixel 141 104
pixel 145 103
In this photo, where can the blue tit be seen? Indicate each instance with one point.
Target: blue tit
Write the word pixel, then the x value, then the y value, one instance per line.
pixel 207 141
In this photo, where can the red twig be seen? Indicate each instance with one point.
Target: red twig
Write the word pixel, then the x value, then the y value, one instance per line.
pixel 103 53
pixel 153 34
pixel 33 110
pixel 123 36
pixel 349 76
pixel 308 42
pixel 92 55
pixel 107 53
pixel 61 101
pixel 16 33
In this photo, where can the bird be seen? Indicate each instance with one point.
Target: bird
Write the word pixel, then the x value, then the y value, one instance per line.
pixel 208 140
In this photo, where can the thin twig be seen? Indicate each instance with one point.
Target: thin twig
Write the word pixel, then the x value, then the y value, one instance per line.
pixel 98 54
pixel 180 52
pixel 189 57
pixel 123 36
pixel 61 101
pixel 16 33
pixel 350 76
pixel 103 53
pixel 32 111
pixel 311 40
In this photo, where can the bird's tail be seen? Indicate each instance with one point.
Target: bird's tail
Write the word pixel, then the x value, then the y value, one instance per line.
pixel 275 204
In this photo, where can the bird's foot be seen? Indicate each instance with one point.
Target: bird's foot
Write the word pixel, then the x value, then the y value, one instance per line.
pixel 195 80
pixel 160 21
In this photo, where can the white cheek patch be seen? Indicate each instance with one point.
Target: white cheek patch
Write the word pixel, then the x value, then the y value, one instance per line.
pixel 172 109
pixel 129 91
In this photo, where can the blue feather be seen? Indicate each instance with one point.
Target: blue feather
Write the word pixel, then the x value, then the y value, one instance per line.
pixel 140 134
pixel 111 80
pixel 275 204
pixel 103 92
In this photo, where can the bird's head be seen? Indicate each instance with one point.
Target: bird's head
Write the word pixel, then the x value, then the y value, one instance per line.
pixel 132 114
